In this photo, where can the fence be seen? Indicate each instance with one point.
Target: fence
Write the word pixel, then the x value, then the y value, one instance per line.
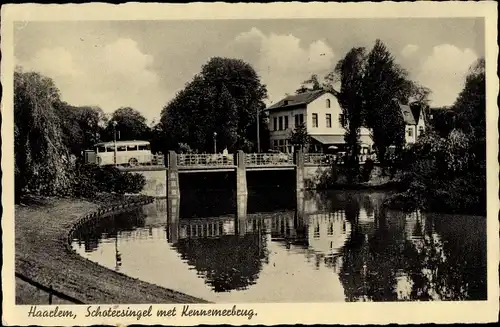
pixel 268 159
pixel 195 159
pixel 51 293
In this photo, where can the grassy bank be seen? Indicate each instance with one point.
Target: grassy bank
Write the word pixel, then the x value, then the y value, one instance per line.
pixel 41 230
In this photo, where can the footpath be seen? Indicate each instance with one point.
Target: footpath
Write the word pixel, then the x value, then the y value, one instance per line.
pixel 42 255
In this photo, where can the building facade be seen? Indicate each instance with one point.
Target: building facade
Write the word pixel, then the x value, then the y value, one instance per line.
pixel 322 117
pixel 415 124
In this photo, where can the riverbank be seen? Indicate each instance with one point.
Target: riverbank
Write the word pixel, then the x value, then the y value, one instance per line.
pixel 41 231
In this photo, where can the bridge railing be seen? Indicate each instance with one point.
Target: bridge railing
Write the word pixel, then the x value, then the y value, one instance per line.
pixel 320 159
pixel 323 159
pixel 268 159
pixel 195 159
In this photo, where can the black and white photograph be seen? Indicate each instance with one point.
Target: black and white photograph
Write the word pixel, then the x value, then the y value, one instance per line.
pixel 167 165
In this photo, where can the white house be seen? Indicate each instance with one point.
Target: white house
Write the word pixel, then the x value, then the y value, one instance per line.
pixel 320 112
pixel 415 125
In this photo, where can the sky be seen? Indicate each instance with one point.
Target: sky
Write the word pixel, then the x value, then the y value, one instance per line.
pixel 143 64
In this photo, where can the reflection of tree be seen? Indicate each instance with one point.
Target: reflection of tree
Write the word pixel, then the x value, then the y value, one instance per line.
pixel 229 262
pixel 441 258
pixel 371 263
pixel 92 232
pixel 451 259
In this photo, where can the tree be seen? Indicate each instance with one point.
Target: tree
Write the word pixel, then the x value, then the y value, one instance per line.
pixel 312 84
pixel 471 102
pixel 368 85
pixel 82 126
pixel 41 159
pixel 448 172
pixel 384 81
pixel 223 98
pixel 130 124
pixel 300 138
pixel 350 72
pixel 442 120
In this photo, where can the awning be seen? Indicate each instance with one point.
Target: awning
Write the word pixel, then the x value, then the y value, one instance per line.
pixel 329 139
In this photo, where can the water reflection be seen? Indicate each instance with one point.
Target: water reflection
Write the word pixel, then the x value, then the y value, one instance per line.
pixel 332 246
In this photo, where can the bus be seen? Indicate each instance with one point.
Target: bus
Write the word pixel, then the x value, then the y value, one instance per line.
pixel 130 153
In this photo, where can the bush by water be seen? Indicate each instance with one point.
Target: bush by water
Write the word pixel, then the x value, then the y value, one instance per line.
pixel 90 180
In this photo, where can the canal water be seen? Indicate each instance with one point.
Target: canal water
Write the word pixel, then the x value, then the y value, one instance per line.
pixel 315 247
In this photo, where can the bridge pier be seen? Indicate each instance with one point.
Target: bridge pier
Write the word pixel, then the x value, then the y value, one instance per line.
pixel 241 175
pixel 173 190
pixel 241 214
pixel 299 171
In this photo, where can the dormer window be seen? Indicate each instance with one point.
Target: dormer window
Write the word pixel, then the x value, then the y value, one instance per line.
pixel 420 130
pixel 328 103
pixel 285 102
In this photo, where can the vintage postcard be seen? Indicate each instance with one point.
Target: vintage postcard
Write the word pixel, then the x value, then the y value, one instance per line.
pixel 284 163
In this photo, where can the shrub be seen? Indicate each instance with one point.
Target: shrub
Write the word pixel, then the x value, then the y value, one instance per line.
pixel 90 180
pixel 130 183
pixel 445 175
pixel 367 170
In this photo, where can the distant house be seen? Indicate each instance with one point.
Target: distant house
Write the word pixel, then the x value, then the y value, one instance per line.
pixel 320 112
pixel 415 122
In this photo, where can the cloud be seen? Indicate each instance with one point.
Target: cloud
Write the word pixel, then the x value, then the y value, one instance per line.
pixel 409 50
pixel 444 72
pixel 55 62
pixel 114 75
pixel 282 62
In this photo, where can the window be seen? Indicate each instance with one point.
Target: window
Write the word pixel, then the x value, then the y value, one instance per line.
pixel 410 132
pixel 286 122
pixel 420 130
pixel 280 123
pixel 342 120
pixel 144 147
pixel 101 149
pixel 299 119
pixel 131 147
pixel 328 120
pixel 121 148
pixel 328 104
pixel 110 148
pixel 281 142
pixel 285 103
pixel 275 123
pixel 275 144
pixel 315 120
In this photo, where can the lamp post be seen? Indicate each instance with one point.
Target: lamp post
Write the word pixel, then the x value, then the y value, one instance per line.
pixel 114 139
pixel 215 142
pixel 258 130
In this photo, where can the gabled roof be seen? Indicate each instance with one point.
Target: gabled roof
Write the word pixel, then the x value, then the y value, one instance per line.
pixel 297 99
pixel 407 114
